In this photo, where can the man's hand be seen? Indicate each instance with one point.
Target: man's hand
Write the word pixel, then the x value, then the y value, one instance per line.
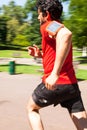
pixel 50 81
pixel 34 51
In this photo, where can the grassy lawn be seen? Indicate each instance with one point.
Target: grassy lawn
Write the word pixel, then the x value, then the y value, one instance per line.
pixel 77 53
pixel 32 69
pixel 24 69
pixel 27 69
pixel 85 64
pixel 14 53
pixel 81 74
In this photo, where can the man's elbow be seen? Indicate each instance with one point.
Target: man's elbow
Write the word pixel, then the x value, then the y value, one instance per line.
pixel 70 34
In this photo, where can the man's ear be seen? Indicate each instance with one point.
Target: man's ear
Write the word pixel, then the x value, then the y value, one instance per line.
pixel 48 16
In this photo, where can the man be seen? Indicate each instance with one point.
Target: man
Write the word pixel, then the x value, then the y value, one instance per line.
pixel 59 84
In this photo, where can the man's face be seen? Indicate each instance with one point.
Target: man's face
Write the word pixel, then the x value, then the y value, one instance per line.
pixel 41 18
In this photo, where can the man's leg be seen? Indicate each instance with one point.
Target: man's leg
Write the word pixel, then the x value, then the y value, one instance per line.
pixel 34 116
pixel 80 120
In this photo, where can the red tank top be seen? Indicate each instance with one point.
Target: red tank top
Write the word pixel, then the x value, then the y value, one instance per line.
pixel 67 75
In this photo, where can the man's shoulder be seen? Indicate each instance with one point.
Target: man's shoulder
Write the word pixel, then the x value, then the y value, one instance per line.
pixel 64 31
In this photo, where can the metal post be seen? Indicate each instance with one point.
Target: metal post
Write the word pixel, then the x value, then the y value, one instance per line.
pixel 12 67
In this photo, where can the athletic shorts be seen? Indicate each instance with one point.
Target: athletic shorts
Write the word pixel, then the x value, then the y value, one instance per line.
pixel 67 95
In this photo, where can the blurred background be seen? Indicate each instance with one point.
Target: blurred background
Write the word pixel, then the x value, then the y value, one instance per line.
pixel 19 28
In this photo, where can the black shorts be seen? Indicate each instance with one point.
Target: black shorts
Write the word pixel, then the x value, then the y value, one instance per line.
pixel 67 95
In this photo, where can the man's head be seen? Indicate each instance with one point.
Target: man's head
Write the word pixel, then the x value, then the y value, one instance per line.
pixel 50 7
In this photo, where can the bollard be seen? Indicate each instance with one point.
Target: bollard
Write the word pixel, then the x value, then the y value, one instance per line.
pixel 12 67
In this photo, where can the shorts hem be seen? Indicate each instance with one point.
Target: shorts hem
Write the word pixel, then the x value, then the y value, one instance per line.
pixel 36 102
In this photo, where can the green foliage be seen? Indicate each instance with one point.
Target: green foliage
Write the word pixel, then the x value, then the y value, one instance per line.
pixel 22 24
pixel 14 11
pixel 12 26
pixel 19 24
pixel 3 29
pixel 20 40
pixel 33 33
pixel 77 22
pixel 15 18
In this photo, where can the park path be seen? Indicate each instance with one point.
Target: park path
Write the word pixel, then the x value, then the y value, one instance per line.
pixel 14 93
pixel 28 61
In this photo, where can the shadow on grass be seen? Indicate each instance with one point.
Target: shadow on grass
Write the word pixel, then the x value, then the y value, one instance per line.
pixel 78 79
pixel 82 59
pixel 7 65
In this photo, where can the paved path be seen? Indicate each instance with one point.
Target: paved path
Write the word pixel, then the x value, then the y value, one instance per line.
pixel 14 93
pixel 28 61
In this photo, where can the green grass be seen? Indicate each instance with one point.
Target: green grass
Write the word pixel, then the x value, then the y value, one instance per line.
pixel 24 69
pixel 27 69
pixel 11 53
pixel 77 53
pixel 84 64
pixel 14 53
pixel 81 74
pixel 32 69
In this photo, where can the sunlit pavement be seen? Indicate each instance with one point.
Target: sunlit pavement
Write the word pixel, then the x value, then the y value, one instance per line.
pixel 14 93
pixel 26 61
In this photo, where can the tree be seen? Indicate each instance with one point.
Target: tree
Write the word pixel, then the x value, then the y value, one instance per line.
pixel 14 11
pixel 21 40
pixel 3 29
pixel 33 32
pixel 12 26
pixel 77 21
pixel 15 20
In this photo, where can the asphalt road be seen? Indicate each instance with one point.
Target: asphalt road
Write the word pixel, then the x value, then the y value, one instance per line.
pixel 14 93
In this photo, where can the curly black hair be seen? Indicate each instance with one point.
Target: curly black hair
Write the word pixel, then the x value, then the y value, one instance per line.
pixel 54 7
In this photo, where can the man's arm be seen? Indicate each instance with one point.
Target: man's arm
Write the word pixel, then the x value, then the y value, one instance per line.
pixel 63 44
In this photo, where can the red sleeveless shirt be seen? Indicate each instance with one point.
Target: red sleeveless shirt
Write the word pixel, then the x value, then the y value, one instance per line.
pixel 67 74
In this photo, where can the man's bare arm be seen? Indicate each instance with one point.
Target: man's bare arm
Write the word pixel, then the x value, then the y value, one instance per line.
pixel 63 44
